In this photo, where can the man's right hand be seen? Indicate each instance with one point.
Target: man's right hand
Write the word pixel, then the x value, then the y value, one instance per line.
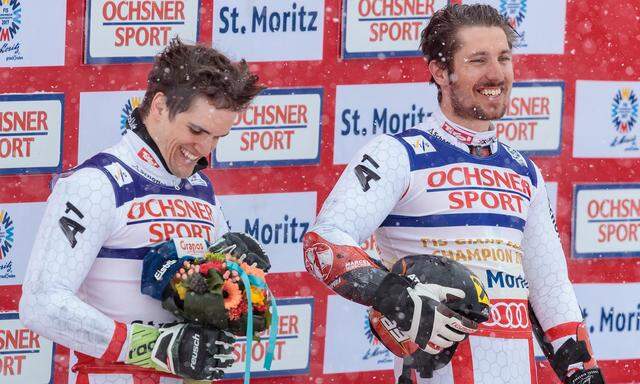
pixel 420 311
pixel 187 350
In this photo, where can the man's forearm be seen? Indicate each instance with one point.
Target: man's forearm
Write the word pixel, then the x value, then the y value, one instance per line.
pixel 64 318
pixel 346 269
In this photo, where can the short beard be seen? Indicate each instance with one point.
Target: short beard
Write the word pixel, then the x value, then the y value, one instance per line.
pixel 472 112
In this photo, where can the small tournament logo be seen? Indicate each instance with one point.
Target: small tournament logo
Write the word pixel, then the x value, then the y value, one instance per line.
pixel 624 116
pixel 6 234
pixel 128 107
pixel 10 22
pixel 6 243
pixel 515 11
pixel 376 348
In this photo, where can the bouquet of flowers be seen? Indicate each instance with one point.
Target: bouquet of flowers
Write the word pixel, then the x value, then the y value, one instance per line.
pixel 209 291
pixel 222 285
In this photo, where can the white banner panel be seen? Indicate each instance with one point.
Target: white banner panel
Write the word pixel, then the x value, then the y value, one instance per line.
pixel 293 344
pixel 19 223
pixel 32 33
pixel 349 344
pixel 277 220
pixel 533 120
pixel 372 28
pixel 280 127
pixel 264 30
pixel 31 133
pixel 103 117
pixel 606 220
pixel 539 24
pixel 612 316
pixel 606 119
pixel 25 356
pixel 367 110
pixel 134 31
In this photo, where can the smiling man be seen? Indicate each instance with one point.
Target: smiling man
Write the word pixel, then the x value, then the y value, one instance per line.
pixel 82 286
pixel 448 188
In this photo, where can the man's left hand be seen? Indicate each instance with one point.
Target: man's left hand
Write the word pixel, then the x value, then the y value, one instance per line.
pixel 242 247
pixel 187 350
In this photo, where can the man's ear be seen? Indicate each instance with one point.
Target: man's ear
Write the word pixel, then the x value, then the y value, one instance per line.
pixel 439 73
pixel 159 104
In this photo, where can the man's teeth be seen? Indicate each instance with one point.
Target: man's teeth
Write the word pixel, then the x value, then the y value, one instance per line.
pixel 491 92
pixel 188 155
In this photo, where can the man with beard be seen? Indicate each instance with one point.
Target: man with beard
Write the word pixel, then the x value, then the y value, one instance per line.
pixel 447 187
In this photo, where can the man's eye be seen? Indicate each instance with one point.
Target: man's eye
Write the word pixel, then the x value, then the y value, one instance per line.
pixel 476 60
pixel 195 131
pixel 505 58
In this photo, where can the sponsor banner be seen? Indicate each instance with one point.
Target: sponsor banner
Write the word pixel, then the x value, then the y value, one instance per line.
pixel 135 31
pixel 540 24
pixel 606 119
pixel 256 29
pixel 277 220
pixel 350 346
pixel 31 133
pixel 103 118
pixel 364 111
pixel 533 120
pixel 22 24
pixel 293 344
pixel 552 193
pixel 25 356
pixel 18 225
pixel 606 220
pixel 280 127
pixel 612 316
pixel 377 28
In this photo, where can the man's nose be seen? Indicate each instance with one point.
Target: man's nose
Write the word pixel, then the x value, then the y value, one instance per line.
pixel 495 71
pixel 206 146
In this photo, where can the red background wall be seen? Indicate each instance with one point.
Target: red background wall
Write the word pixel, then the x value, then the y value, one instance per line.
pixel 602 40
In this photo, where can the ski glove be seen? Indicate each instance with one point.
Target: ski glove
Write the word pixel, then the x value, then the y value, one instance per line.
pixel 187 350
pixel 244 248
pixel 420 311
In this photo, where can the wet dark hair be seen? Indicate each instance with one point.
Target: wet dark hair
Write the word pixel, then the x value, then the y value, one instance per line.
pixel 183 72
pixel 438 39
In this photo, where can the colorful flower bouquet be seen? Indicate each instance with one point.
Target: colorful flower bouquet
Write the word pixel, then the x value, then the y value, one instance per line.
pixel 221 285
pixel 210 291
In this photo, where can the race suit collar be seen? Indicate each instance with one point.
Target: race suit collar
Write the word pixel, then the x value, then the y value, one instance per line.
pixel 460 136
pixel 145 155
pixel 135 124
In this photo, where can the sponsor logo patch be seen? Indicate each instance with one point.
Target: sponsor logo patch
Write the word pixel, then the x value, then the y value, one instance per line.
pixel 419 144
pixel 319 259
pixel 147 157
pixel 121 176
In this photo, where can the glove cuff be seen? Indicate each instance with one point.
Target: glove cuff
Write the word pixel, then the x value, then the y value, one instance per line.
pixel 141 341
pixel 591 376
pixel 392 299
